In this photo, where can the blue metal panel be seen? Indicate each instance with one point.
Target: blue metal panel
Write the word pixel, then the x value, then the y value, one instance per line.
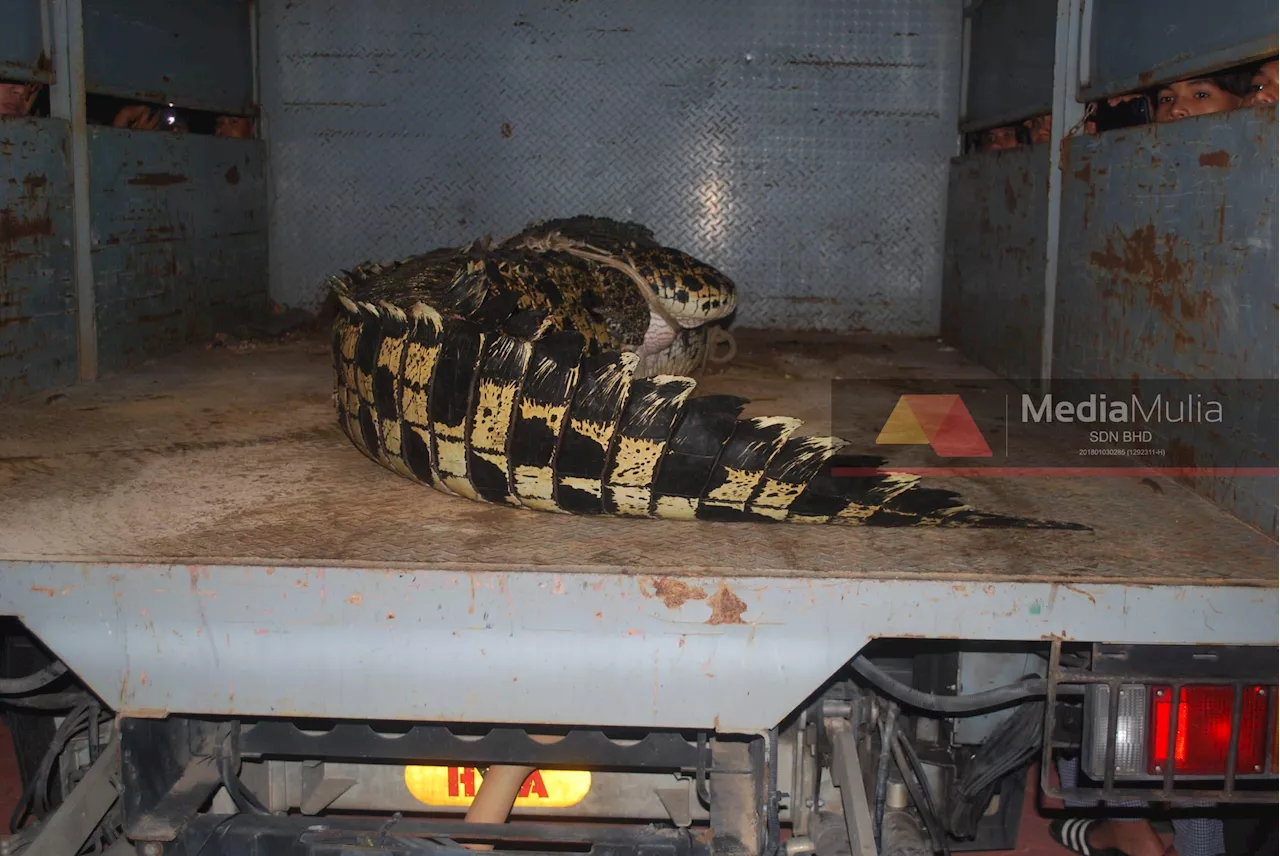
pixel 196 53
pixel 1011 46
pixel 37 293
pixel 993 282
pixel 179 229
pixel 1140 43
pixel 22 48
pixel 801 147
pixel 1169 270
pixel 530 646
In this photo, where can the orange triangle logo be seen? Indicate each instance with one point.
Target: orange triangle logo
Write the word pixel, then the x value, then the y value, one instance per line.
pixel 939 421
pixel 902 428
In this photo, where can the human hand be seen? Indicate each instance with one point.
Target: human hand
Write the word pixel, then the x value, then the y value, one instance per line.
pixel 139 117
pixel 33 92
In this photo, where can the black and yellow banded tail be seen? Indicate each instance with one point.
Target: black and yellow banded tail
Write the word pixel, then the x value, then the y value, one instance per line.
pixel 511 412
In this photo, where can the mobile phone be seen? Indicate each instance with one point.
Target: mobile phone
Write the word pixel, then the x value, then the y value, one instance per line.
pixel 1126 114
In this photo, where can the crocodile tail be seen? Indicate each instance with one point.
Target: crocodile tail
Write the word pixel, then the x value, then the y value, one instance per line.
pixel 491 403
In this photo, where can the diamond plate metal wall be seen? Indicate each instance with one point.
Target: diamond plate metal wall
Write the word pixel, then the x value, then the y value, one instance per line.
pixel 801 147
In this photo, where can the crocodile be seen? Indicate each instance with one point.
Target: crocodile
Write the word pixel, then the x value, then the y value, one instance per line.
pixel 554 371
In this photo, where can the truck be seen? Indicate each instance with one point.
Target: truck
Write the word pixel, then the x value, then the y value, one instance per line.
pixel 228 632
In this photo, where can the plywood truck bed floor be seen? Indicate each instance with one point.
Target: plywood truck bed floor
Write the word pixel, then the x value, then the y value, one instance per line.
pixel 233 455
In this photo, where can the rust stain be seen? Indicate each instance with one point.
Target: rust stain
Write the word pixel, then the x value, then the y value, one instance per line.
pixel 1080 591
pixel 1085 173
pixel 1222 220
pixel 1219 159
pixel 1147 263
pixel 1182 455
pixel 1195 306
pixel 1010 197
pixel 157 179
pixel 233 176
pixel 675 593
pixel 33 182
pixel 12 228
pixel 44 590
pixel 508 129
pixel 356 599
pixel 726 607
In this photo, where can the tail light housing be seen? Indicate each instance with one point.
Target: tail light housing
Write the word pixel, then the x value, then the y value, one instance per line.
pixel 1131 730
pixel 1201 726
pixel 1202 744
pixel 1275 735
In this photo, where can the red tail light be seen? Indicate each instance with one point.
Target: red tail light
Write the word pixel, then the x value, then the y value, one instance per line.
pixel 1275 733
pixel 1203 738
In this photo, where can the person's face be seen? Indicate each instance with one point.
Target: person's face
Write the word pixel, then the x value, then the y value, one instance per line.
pixel 1265 86
pixel 1194 97
pixel 233 126
pixel 1000 138
pixel 16 98
pixel 1040 128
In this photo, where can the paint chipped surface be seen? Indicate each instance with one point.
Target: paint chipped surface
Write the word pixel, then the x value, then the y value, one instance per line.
pixel 993 274
pixel 676 593
pixel 37 295
pixel 180 249
pixel 1169 271
pixel 726 607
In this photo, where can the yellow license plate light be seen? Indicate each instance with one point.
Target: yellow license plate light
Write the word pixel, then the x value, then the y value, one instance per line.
pixel 458 786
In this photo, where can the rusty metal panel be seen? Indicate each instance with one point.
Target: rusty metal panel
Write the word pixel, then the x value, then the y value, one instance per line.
pixel 179 247
pixel 993 279
pixel 1138 43
pixel 801 147
pixel 1169 270
pixel 196 53
pixel 23 53
pixel 1011 51
pixel 37 294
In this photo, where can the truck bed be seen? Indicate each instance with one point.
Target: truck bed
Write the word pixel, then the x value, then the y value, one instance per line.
pixel 232 455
